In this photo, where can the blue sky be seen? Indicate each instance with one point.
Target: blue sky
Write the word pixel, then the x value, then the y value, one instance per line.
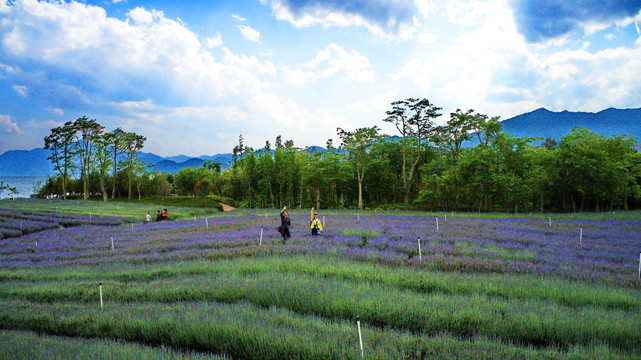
pixel 193 76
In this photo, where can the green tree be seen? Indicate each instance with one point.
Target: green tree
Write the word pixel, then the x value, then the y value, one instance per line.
pixel 116 141
pixel 87 133
pixel 102 157
pixel 357 144
pixel 132 144
pixel 413 118
pixel 61 142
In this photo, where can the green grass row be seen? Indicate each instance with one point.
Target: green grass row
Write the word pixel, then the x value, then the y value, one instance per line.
pixel 26 345
pixel 243 331
pixel 523 321
pixel 131 209
pixel 508 286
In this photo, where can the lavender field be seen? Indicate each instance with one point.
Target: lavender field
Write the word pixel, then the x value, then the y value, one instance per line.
pixel 225 286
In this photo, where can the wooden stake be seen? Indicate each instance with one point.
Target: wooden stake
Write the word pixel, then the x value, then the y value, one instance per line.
pixel 100 285
pixel 420 256
pixel 360 336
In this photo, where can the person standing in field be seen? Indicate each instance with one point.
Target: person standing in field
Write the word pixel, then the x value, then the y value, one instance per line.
pixel 315 223
pixel 285 224
pixel 158 216
pixel 148 218
pixel 165 215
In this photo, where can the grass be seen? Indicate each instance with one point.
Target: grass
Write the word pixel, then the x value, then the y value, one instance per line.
pixel 130 209
pixel 235 299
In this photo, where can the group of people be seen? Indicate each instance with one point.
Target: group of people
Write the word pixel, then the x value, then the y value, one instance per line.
pixel 160 216
pixel 285 223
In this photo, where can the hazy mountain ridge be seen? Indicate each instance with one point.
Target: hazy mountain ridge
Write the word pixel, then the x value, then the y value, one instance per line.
pixel 541 122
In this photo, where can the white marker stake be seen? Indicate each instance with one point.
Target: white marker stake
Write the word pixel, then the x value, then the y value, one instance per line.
pixel 358 215
pixel 420 256
pixel 112 243
pixel 261 237
pixel 550 221
pixel 360 337
pixel 581 236
pixel 324 221
pixel 194 219
pixel 100 285
pixel 445 217
pixel 207 222
pixel 640 265
pixel 437 224
pixel 36 243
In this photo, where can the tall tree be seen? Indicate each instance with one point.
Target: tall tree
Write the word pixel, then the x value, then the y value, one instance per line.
pixel 357 144
pixel 87 134
pixel 132 143
pixel 61 142
pixel 115 141
pixel 102 158
pixel 413 118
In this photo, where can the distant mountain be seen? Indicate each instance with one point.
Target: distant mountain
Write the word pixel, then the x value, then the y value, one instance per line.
pixel 26 163
pixel 545 123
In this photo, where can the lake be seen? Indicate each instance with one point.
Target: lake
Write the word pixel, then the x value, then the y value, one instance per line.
pixel 24 185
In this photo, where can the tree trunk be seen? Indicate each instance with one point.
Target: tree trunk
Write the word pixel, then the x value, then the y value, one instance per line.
pixel 318 197
pixel 103 188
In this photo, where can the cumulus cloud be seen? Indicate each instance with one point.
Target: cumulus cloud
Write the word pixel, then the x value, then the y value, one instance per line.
pixel 78 59
pixel 495 70
pixel 541 20
pixel 215 41
pixel 329 62
pixel 386 18
pixel 249 33
pixel 8 124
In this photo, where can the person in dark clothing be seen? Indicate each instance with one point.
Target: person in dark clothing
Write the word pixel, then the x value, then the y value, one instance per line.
pixel 158 216
pixel 285 224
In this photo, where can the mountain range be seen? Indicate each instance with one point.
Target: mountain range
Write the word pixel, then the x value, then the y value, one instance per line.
pixel 541 123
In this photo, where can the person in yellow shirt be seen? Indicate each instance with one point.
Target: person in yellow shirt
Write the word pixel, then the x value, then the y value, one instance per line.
pixel 315 223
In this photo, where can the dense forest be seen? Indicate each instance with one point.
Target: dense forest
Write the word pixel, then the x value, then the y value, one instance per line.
pixel 467 164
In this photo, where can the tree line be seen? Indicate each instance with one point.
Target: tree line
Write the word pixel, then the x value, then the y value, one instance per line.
pixel 467 164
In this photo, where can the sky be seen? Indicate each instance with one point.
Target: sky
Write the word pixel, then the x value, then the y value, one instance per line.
pixel 193 76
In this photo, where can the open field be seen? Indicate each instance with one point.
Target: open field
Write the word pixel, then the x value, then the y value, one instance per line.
pixel 213 287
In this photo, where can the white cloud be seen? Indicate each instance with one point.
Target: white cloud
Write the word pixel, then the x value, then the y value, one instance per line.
pixel 9 125
pixel 238 17
pixel 249 33
pixel 330 62
pixel 56 111
pixel 141 16
pixel 387 19
pixel 214 41
pixel 20 89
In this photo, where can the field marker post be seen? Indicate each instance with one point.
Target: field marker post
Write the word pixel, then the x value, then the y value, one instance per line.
pixel 36 243
pixel 360 336
pixel 581 236
pixel 261 237
pixel 358 215
pixel 437 224
pixel 100 285
pixel 112 243
pixel 550 221
pixel 420 256
pixel 640 265
pixel 207 222
pixel 90 216
pixel 445 217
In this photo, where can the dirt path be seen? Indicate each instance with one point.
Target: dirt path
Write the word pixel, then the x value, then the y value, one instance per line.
pixel 227 207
